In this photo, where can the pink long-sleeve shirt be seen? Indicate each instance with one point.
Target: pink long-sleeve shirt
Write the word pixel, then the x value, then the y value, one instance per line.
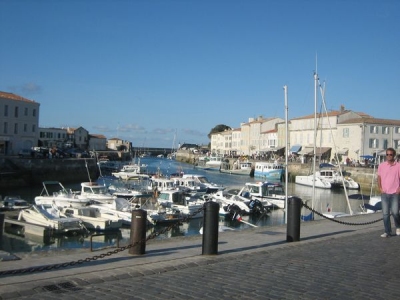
pixel 390 177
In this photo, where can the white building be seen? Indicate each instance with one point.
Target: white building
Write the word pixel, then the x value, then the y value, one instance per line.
pixel 19 123
pixel 53 137
pixel 338 135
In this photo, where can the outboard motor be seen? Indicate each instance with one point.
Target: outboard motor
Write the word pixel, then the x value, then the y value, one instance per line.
pixel 256 207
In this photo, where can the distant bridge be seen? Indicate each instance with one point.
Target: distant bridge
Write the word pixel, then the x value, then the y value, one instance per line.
pixel 151 151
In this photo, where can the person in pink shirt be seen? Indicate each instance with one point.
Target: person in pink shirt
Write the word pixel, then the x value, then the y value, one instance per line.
pixel 389 186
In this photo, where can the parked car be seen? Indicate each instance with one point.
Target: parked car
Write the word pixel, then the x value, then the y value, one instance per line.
pixel 77 153
pixel 60 153
pixel 41 152
pixel 26 153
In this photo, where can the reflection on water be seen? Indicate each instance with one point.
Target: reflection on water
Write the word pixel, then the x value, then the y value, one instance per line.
pixel 325 200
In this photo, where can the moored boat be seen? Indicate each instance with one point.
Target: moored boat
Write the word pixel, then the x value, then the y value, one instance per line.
pixel 271 171
pixel 238 168
pixel 55 192
pixel 39 216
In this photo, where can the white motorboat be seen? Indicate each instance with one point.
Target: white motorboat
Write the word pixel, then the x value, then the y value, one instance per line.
pixel 178 201
pixel 93 218
pixel 211 187
pixel 96 192
pixel 55 192
pixel 189 186
pixel 40 216
pixel 120 208
pixel 268 193
pixel 230 203
pixel 162 184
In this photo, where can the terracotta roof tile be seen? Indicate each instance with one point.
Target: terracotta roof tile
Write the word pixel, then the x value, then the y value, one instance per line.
pixel 12 96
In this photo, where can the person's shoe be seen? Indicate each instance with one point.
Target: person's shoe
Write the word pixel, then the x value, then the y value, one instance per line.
pixel 385 235
pixel 398 231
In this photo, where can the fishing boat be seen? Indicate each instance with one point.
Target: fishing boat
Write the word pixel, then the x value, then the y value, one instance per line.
pixel 238 168
pixel 271 171
pixel 214 162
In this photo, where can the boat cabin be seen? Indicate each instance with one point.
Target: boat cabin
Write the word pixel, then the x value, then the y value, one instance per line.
pixel 265 189
pixel 169 198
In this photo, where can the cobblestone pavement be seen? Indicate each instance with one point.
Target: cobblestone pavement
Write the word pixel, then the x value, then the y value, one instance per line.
pixel 332 261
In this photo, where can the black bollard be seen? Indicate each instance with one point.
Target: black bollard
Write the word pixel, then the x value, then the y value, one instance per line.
pixel 293 219
pixel 138 232
pixel 1 226
pixel 210 228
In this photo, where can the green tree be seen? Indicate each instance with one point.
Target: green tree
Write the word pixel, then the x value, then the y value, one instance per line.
pixel 218 128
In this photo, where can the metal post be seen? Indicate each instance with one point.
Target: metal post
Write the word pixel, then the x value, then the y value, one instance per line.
pixel 210 228
pixel 138 232
pixel 293 219
pixel 1 225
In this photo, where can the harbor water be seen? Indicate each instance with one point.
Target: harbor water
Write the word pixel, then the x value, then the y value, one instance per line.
pixel 324 201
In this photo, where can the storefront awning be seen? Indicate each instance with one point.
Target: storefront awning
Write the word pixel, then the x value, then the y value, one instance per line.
pixel 278 149
pixel 318 151
pixel 322 150
pixel 343 151
pixel 295 148
pixel 306 151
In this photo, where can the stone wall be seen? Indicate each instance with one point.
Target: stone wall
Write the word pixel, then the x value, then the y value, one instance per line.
pixel 23 172
pixel 364 176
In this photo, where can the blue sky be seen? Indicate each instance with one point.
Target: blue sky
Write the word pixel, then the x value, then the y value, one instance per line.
pixel 145 70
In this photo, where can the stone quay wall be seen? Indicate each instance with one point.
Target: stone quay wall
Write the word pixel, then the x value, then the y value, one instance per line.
pixel 364 176
pixel 25 172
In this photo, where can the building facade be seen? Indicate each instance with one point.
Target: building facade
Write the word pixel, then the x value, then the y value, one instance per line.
pixel 339 135
pixel 19 123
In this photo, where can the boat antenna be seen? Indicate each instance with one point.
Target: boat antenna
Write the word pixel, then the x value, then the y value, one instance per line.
pixel 87 169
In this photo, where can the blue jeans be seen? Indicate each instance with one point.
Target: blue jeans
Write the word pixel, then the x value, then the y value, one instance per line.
pixel 390 204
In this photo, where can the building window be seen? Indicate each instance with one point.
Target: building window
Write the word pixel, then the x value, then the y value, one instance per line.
pixel 373 143
pixel 385 130
pixel 345 132
pixel 26 112
pixel 385 144
pixel 396 144
pixel 5 110
pixel 16 128
pixel 25 127
pixel 34 112
pixel 373 129
pixel 397 129
pixel 33 128
pixel 5 128
pixel 16 112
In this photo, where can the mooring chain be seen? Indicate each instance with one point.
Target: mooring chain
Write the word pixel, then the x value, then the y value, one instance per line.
pixel 338 221
pixel 100 256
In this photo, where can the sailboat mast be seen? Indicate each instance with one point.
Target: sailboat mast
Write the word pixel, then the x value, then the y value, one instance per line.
pixel 286 150
pixel 315 135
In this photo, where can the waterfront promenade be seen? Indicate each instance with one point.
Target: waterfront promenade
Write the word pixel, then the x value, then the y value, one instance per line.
pixel 331 261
